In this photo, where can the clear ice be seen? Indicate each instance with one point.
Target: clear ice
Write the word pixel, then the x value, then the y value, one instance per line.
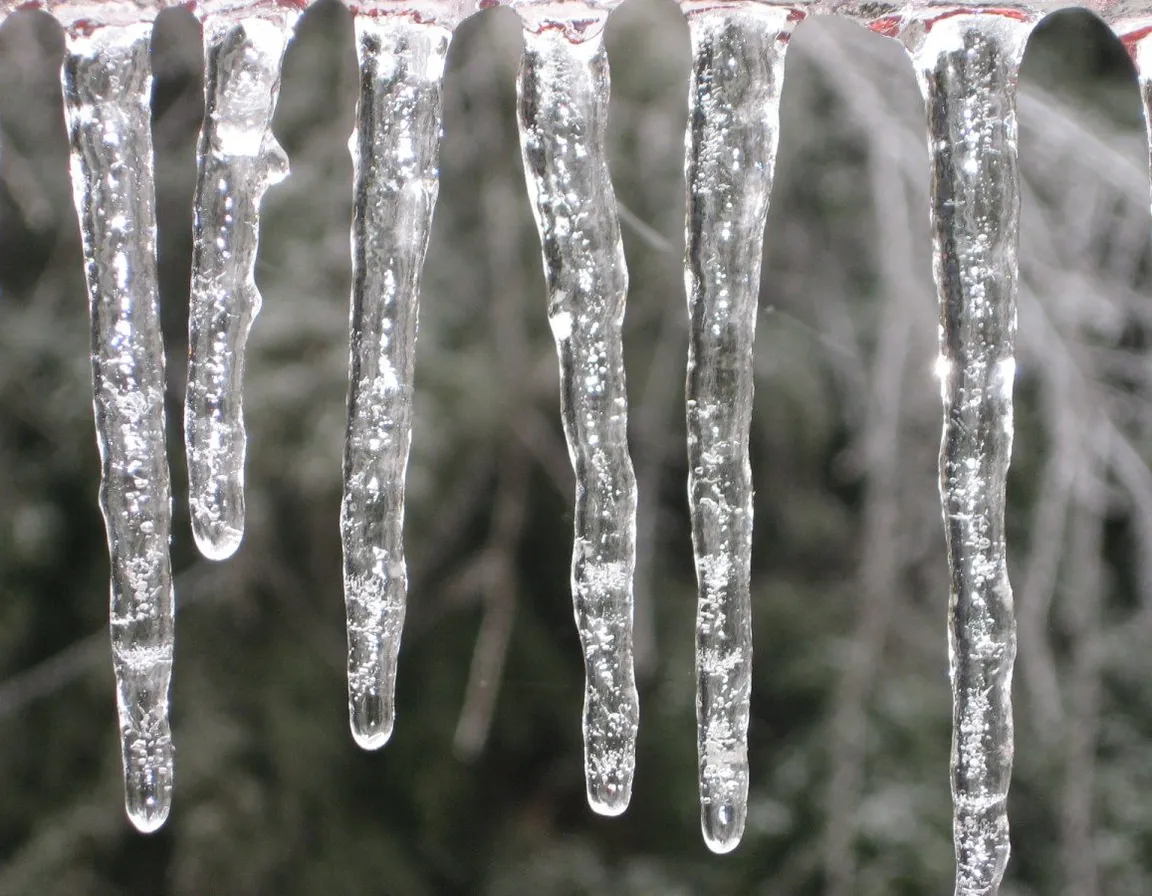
pixel 237 160
pixel 1140 49
pixel 968 66
pixel 563 111
pixel 107 90
pixel 395 156
pixel 733 127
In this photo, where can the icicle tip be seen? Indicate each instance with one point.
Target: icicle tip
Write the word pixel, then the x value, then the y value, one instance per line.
pixel 722 824
pixel 609 798
pixel 148 821
pixel 216 540
pixel 371 719
pixel 148 797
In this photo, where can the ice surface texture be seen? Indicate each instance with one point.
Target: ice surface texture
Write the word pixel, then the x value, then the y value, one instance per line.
pixel 733 128
pixel 107 90
pixel 394 153
pixel 563 110
pixel 237 159
pixel 967 59
pixel 968 67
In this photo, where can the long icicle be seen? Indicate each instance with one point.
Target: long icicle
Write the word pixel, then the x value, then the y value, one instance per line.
pixel 563 110
pixel 733 128
pixel 107 90
pixel 968 64
pixel 395 152
pixel 237 160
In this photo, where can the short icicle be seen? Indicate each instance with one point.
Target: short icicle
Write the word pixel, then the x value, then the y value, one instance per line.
pixel 968 65
pixel 107 90
pixel 1139 46
pixel 733 126
pixel 237 160
pixel 563 110
pixel 395 153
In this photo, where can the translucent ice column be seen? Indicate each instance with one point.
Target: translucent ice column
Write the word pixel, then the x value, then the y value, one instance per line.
pixel 237 160
pixel 733 125
pixel 394 153
pixel 563 110
pixel 107 90
pixel 968 65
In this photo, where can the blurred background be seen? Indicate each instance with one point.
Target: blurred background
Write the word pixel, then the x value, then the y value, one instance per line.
pixel 480 790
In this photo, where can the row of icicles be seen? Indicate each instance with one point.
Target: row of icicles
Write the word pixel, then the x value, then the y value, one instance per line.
pixel 967 63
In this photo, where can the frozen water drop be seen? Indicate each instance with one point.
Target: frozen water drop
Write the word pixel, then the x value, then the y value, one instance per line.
pixel 722 824
pixel 148 787
pixel 216 539
pixel 609 796
pixel 372 719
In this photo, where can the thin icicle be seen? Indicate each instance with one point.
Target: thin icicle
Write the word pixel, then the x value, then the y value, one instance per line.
pixel 237 160
pixel 733 127
pixel 968 66
pixel 107 89
pixel 395 154
pixel 563 108
pixel 1139 45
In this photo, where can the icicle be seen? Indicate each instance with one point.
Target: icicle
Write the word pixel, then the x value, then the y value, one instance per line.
pixel 1138 41
pixel 107 90
pixel 394 152
pixel 734 115
pixel 968 65
pixel 563 108
pixel 237 160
